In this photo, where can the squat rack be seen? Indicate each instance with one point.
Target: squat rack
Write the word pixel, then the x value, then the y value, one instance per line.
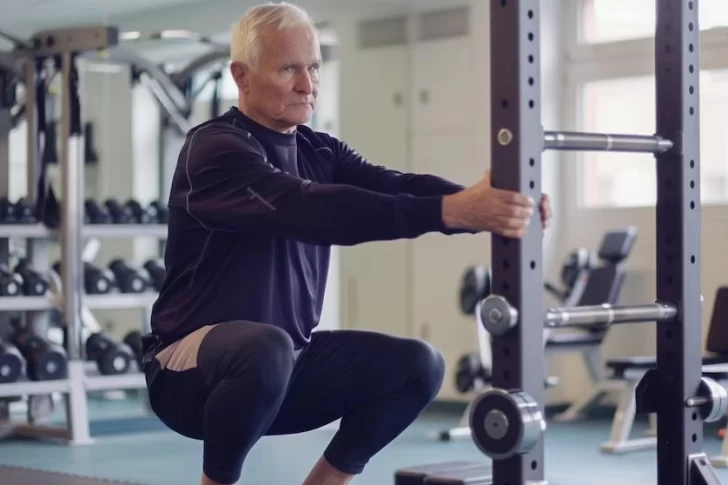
pixel 507 421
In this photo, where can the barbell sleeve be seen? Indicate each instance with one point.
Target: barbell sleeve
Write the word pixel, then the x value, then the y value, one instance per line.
pixel 603 315
pixel 498 317
pixel 606 142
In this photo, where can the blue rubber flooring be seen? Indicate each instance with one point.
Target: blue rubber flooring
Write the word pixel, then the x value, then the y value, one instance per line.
pixel 148 454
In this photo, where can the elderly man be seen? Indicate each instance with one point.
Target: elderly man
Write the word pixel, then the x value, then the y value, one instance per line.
pixel 256 202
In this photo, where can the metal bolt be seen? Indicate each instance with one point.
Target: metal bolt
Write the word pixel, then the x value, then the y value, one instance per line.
pixel 495 315
pixel 505 137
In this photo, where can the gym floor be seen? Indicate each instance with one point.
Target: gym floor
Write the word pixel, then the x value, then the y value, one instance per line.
pixel 132 447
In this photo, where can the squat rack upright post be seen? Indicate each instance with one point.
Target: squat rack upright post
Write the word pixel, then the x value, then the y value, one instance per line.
pixel 507 422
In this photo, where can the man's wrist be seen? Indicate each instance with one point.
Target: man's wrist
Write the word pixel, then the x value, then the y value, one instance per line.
pixel 449 212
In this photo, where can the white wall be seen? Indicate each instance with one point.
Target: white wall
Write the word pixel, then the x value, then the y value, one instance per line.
pixel 410 287
pixel 584 226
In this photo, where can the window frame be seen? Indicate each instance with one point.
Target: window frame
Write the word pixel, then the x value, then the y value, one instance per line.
pixel 614 60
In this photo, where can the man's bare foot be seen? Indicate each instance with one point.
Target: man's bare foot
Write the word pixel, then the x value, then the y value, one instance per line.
pixel 325 474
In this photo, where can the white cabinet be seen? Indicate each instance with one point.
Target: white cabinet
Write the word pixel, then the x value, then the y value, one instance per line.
pixel 439 261
pixel 442 86
pixel 374 85
pixel 374 276
pixel 374 122
pixel 415 106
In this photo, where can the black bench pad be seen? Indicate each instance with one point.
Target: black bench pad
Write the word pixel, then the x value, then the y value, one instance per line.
pixel 417 475
pixel 482 475
pixel 11 475
pixel 621 365
pixel 573 339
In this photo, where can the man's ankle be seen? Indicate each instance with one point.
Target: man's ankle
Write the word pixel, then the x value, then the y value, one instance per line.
pixel 323 473
pixel 208 481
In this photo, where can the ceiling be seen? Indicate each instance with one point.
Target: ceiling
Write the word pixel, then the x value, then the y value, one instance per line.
pixel 23 17
pixel 209 17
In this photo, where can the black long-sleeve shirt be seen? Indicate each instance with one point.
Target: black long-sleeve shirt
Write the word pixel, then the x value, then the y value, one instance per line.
pixel 252 216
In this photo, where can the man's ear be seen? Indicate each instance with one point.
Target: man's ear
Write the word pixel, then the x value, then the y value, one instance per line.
pixel 239 72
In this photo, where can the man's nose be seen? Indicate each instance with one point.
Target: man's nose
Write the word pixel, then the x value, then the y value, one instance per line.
pixel 305 83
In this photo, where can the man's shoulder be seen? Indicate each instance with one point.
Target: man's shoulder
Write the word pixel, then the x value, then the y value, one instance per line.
pixel 317 139
pixel 222 135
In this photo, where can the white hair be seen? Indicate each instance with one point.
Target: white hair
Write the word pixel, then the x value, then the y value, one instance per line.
pixel 245 45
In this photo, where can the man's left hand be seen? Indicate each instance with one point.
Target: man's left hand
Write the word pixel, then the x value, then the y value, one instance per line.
pixel 544 207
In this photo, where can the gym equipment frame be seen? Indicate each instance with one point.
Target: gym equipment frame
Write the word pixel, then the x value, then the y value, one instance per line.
pixel 508 422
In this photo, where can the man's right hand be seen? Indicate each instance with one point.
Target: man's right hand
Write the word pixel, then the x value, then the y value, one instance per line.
pixel 484 208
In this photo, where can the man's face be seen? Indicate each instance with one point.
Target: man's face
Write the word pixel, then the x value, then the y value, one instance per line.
pixel 281 92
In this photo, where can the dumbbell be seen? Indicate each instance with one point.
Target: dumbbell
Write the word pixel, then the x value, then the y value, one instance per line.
pixel 161 211
pixel 475 285
pixel 157 273
pixel 96 281
pixel 24 212
pixel 468 371
pixel 128 279
pixel 12 363
pixel 33 283
pixel 7 211
pixel 19 212
pixel 10 284
pixel 142 215
pixel 95 213
pixel 45 361
pixel 111 358
pixel 120 214
pixel 134 340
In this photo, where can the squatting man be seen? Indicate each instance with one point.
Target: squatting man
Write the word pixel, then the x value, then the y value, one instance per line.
pixel 256 202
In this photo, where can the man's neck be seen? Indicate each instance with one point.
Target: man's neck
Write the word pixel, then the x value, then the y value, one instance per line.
pixel 270 124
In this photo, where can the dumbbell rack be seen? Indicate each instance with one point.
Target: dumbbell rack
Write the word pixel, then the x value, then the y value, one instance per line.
pixel 64 45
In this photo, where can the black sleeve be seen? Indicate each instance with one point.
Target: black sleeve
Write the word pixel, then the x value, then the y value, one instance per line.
pixel 353 169
pixel 232 187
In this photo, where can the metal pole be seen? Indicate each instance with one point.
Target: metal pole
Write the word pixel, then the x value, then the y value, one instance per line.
pixel 516 148
pixel 71 216
pixel 603 315
pixel 605 142
pixel 677 235
pixel 31 123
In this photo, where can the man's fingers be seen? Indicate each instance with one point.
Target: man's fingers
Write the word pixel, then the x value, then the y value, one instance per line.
pixel 518 212
pixel 515 198
pixel 513 233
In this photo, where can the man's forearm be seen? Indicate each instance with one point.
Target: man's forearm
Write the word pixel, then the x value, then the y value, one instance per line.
pixel 426 185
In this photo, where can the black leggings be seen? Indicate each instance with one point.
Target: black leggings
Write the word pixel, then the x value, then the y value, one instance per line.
pixel 231 383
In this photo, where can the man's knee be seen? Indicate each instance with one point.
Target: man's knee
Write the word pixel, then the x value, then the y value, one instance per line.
pixel 427 367
pixel 259 354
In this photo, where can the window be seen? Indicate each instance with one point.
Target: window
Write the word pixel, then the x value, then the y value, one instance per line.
pixel 627 105
pixel 615 20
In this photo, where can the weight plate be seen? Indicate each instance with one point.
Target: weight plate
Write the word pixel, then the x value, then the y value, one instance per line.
pixel 496 315
pixel 717 397
pixel 505 424
pixel 11 368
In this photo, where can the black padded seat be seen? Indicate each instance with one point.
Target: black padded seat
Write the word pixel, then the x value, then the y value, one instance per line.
pixel 621 365
pixel 717 372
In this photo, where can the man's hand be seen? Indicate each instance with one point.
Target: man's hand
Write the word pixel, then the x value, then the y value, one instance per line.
pixel 544 208
pixel 485 208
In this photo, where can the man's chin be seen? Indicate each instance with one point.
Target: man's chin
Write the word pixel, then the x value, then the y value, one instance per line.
pixel 299 114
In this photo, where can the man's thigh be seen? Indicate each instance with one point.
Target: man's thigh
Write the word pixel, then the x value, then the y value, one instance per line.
pixel 340 371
